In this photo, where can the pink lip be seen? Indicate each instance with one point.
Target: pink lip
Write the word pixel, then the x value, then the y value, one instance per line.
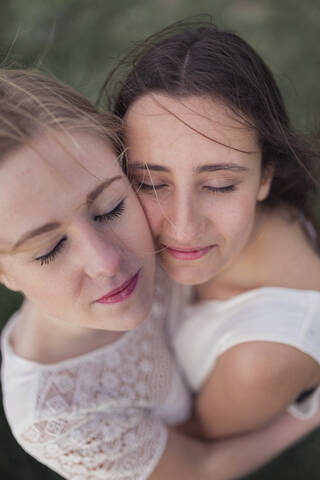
pixel 121 293
pixel 188 253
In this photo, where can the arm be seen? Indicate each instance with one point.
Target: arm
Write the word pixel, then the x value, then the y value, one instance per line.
pixel 250 385
pixel 187 459
pixel 137 448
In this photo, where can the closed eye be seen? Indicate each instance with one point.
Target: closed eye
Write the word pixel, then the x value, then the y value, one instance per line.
pixel 106 217
pixel 228 188
pixel 148 188
pixel 114 213
pixel 50 256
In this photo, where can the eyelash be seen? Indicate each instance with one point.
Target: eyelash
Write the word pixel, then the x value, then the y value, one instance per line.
pixel 116 212
pixel 49 257
pixel 149 188
pixel 228 188
pixel 106 217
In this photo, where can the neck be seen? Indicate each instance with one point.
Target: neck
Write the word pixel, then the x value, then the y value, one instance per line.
pixel 44 339
pixel 279 254
pixel 241 273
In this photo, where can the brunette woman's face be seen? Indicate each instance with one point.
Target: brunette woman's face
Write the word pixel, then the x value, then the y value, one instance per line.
pixel 82 247
pixel 197 171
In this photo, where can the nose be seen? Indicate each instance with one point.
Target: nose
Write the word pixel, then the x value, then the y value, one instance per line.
pixel 100 254
pixel 184 223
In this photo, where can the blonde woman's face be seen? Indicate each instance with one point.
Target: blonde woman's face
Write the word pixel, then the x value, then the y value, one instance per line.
pixel 81 250
pixel 197 171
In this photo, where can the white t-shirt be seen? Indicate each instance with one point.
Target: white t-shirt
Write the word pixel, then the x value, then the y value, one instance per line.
pixel 207 329
pixel 101 415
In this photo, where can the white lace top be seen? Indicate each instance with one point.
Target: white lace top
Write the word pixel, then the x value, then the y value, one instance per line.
pixel 209 328
pixel 101 415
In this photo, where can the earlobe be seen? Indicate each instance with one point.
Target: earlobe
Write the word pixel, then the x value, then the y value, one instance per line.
pixel 8 282
pixel 265 184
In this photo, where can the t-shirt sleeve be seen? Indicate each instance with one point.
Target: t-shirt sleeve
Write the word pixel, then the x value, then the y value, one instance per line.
pixel 277 315
pixel 307 405
pixel 124 445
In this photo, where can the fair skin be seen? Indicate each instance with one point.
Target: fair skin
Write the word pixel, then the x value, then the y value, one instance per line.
pixel 64 185
pixel 197 170
pixel 87 221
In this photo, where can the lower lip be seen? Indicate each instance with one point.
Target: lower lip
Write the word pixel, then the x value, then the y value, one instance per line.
pixel 121 294
pixel 189 254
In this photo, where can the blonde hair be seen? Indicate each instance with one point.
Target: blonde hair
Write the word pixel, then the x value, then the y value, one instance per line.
pixel 31 101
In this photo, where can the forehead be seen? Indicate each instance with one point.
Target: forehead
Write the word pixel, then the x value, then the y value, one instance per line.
pixel 161 120
pixel 59 159
pixel 45 180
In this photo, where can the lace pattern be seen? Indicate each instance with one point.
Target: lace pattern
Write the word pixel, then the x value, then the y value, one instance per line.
pixel 93 415
pixel 99 445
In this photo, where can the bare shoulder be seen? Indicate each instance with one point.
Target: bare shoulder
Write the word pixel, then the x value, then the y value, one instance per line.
pixel 288 256
pixel 251 384
pixel 270 364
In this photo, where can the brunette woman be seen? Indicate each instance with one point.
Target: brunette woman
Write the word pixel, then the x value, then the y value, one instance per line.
pixel 227 184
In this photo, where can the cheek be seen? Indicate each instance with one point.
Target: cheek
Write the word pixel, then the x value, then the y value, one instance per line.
pixel 133 229
pixel 138 234
pixel 236 220
pixel 44 285
pixel 154 213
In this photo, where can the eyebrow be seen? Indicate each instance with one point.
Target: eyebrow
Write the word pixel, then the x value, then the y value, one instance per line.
pixel 203 168
pixel 48 227
pixel 221 166
pixel 149 166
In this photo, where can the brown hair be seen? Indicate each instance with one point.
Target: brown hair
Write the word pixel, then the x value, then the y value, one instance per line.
pixel 191 59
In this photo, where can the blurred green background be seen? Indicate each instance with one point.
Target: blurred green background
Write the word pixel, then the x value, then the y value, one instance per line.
pixel 80 40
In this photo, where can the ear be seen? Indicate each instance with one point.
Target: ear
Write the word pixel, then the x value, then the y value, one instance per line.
pixel 8 282
pixel 265 184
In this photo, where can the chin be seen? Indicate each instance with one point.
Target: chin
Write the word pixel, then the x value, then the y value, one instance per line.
pixel 190 275
pixel 129 319
pixel 132 321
